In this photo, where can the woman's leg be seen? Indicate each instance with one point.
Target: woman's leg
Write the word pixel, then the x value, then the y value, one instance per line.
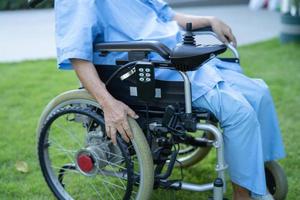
pixel 258 95
pixel 240 193
pixel 242 136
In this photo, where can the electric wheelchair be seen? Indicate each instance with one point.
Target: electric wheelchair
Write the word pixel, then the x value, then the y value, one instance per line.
pixel 79 161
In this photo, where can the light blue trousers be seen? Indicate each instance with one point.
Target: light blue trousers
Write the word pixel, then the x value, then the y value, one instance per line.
pixel 251 132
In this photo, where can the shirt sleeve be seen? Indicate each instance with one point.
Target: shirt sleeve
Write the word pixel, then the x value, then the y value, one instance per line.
pixel 77 25
pixel 163 10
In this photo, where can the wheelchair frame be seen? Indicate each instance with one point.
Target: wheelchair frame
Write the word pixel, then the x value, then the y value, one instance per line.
pixel 219 185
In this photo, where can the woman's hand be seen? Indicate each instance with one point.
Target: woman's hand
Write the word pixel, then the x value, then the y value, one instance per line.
pixel 115 112
pixel 115 116
pixel 223 31
pixel 220 28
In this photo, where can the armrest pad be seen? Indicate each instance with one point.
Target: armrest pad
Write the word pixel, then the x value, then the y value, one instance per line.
pixel 146 46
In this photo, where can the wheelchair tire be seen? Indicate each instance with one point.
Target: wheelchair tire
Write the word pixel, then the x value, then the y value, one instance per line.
pixel 276 180
pixel 82 98
pixel 65 99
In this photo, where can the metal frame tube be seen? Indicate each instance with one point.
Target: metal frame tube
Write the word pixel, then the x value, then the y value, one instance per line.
pixel 187 92
pixel 219 145
pixel 193 187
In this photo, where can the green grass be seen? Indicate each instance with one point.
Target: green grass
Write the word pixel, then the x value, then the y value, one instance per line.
pixel 26 87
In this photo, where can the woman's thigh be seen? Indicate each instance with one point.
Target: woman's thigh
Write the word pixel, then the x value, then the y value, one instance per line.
pixel 254 90
pixel 226 103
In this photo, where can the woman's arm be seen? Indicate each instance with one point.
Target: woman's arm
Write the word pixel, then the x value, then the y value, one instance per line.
pixel 115 112
pixel 220 28
pixel 198 21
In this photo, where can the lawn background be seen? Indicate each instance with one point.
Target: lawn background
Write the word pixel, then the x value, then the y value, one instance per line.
pixel 26 88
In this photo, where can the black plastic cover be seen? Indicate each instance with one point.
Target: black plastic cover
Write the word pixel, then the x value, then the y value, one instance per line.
pixel 190 57
pixel 135 46
pixel 34 3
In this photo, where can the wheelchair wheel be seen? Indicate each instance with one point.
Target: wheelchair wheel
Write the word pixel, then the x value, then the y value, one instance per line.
pixel 189 155
pixel 276 180
pixel 78 161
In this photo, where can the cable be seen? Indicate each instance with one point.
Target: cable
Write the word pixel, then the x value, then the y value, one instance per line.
pixel 130 64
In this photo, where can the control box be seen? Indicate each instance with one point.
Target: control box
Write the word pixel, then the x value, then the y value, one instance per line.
pixel 145 77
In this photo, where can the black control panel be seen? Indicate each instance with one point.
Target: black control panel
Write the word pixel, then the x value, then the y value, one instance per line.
pixel 145 80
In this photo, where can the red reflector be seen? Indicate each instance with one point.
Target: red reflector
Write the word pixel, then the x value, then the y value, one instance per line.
pixel 85 163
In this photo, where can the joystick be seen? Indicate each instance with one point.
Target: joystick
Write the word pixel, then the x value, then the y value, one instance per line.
pixel 189 37
pixel 187 56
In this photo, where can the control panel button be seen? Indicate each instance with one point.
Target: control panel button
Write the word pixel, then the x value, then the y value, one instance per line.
pixel 141 70
pixel 142 79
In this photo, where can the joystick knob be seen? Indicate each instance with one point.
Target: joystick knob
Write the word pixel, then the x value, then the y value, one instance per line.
pixel 189 26
pixel 189 37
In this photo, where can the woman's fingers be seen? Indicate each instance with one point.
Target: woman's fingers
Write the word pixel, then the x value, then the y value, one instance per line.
pixel 224 32
pixel 107 129
pixel 111 132
pixel 117 120
pixel 123 133
pixel 223 38
pixel 131 113
pixel 127 129
pixel 124 130
pixel 234 41
pixel 231 37
pixel 113 135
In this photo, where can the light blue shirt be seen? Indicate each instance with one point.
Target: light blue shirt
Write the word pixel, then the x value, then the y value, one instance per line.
pixel 82 23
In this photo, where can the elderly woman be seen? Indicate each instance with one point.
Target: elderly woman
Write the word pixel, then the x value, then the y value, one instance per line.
pixel 243 105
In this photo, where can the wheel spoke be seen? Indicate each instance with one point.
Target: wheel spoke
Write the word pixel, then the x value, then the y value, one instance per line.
pixel 107 189
pixel 65 169
pixel 92 185
pixel 71 134
pixel 61 148
pixel 104 176
pixel 118 176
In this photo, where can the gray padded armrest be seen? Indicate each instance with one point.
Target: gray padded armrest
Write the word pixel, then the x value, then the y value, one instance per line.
pixel 146 46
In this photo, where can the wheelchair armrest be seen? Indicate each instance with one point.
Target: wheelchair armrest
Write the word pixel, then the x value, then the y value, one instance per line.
pixel 143 46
